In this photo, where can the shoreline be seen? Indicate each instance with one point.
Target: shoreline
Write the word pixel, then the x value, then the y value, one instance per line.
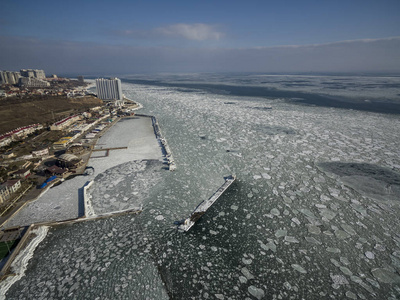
pixel 27 249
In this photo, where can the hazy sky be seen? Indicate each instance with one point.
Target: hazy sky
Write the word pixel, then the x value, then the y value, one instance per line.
pixel 114 37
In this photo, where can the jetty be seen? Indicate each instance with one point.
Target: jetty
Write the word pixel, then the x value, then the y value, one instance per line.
pixel 162 141
pixel 204 205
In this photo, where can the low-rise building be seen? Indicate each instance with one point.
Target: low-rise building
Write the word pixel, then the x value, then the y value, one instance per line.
pixel 57 171
pixel 64 123
pixel 18 133
pixel 8 155
pixel 22 173
pixel 4 193
pixel 13 185
pixel 69 161
pixel 62 143
pixel 40 152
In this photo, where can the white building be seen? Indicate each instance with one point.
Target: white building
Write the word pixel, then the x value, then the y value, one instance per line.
pixel 64 123
pixel 9 187
pixel 9 77
pixel 39 74
pixel 33 82
pixel 109 89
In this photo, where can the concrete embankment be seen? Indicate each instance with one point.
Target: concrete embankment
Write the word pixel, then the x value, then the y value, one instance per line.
pixel 16 250
pixel 162 141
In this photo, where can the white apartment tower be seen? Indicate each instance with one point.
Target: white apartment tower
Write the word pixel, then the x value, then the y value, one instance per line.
pixel 109 89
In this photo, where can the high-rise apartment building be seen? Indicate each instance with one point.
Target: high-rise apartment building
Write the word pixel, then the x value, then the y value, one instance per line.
pixel 39 74
pixel 9 77
pixel 109 89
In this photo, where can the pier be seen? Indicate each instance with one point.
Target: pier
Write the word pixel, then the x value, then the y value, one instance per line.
pixel 163 142
pixel 203 206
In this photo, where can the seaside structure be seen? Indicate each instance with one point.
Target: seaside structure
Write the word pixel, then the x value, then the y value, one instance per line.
pixel 204 205
pixel 109 89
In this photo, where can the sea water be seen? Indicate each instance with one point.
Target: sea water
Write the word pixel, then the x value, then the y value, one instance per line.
pixel 313 214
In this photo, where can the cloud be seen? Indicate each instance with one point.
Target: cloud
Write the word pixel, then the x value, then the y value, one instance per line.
pixel 198 32
pixel 195 32
pixel 378 55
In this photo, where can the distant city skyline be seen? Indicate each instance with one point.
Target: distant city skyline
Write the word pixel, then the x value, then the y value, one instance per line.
pixel 98 37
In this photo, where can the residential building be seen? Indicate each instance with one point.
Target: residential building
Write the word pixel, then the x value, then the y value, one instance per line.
pixel 39 74
pixel 19 133
pixel 109 89
pixel 32 82
pixel 9 77
pixel 31 73
pixel 22 173
pixel 3 79
pixel 27 73
pixel 40 152
pixel 64 123
pixel 4 193
pixel 62 143
pixel 12 185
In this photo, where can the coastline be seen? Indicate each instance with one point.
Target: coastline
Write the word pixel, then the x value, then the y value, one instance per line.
pixel 26 251
pixel 20 264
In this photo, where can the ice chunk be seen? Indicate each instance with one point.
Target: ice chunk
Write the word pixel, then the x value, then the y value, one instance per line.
pixel 266 176
pixel 348 229
pixel 307 213
pixel 247 273
pixel 312 240
pixel 340 234
pixel 327 213
pixel 242 279
pixel 256 292
pixel 338 280
pixel 280 232
pixel 275 212
pixel 299 268
pixel 291 239
pixel 247 261
pixel 333 250
pixel 370 255
pixel 351 295
pixel 313 229
pixel 385 275
pixel 346 271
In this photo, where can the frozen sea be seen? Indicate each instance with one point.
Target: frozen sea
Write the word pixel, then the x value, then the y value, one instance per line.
pixel 313 214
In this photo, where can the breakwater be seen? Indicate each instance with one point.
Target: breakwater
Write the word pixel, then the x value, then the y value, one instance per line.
pixel 162 141
pixel 201 209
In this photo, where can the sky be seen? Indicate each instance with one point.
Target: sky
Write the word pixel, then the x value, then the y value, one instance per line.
pixel 127 37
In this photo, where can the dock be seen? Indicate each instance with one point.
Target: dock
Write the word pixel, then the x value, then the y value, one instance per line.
pixel 203 206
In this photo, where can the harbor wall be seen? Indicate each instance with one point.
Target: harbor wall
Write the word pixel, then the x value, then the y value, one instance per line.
pixel 162 141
